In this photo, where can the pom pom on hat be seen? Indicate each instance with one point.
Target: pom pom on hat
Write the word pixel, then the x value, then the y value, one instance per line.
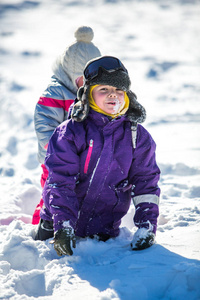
pixel 79 53
pixel 84 34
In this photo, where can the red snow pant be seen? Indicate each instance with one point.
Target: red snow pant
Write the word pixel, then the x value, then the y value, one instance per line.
pixel 36 214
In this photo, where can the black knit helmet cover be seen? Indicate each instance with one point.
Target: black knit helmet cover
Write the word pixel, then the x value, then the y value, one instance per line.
pixel 119 79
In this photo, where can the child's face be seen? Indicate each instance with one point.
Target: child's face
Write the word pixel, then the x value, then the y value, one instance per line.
pixel 108 98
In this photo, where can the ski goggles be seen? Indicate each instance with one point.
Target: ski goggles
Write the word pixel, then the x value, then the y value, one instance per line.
pixel 109 63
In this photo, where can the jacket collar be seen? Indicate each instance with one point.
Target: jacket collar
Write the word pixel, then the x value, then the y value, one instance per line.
pixel 103 120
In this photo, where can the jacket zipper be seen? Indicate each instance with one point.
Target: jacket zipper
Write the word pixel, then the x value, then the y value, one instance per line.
pixel 87 161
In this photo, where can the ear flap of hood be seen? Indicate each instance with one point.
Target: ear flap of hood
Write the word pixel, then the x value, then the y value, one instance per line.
pixel 81 108
pixel 136 112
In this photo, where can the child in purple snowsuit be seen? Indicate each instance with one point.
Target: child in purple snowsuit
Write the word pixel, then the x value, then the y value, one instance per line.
pixel 98 161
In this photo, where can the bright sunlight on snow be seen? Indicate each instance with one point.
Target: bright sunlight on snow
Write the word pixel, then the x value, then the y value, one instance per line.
pixel 158 41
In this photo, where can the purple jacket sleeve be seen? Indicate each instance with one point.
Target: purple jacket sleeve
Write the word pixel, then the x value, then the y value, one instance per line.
pixel 145 175
pixel 59 195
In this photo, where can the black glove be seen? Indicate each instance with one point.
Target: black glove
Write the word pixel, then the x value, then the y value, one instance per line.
pixel 62 241
pixel 142 239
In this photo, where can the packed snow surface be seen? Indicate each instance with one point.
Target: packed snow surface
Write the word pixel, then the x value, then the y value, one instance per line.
pixel 158 41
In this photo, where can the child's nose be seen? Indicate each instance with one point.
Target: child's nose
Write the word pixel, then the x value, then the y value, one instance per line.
pixel 113 94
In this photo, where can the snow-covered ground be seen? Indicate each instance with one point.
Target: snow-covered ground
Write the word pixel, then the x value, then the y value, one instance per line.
pixel 158 41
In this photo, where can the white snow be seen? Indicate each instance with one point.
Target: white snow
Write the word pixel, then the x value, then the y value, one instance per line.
pixel 158 41
pixel 116 107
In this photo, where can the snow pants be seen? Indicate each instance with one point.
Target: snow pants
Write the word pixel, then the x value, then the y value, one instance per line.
pixel 36 214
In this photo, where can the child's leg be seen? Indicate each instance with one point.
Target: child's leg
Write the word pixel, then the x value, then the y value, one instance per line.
pixel 44 231
pixel 36 214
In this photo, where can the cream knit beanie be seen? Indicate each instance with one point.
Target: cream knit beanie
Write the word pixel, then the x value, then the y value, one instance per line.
pixel 79 53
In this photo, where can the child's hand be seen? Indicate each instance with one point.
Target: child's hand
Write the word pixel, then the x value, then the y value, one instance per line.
pixel 142 239
pixel 62 241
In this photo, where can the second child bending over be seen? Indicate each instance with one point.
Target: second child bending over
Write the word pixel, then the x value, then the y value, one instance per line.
pixel 53 106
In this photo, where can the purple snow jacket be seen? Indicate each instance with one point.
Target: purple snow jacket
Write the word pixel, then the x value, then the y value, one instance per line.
pixel 94 171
